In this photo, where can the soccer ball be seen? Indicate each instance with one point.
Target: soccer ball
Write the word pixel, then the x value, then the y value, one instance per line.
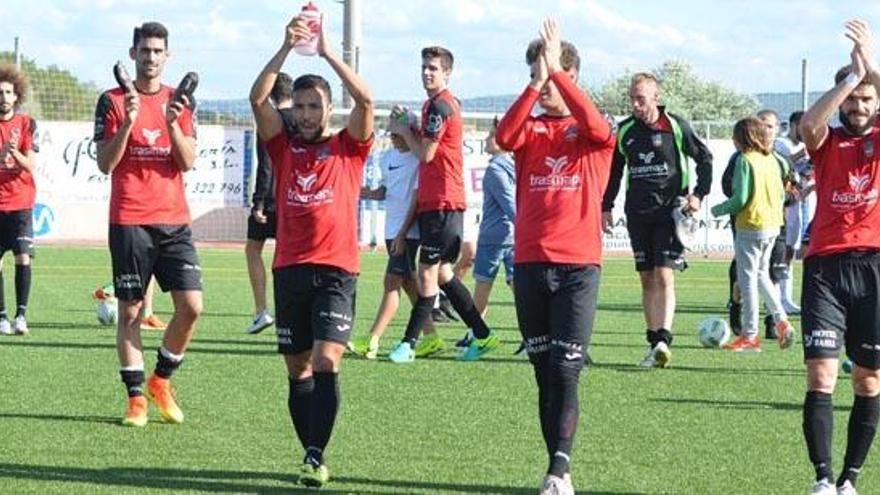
pixel 107 311
pixel 714 332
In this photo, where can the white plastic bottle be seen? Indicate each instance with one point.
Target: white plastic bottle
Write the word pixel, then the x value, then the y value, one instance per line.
pixel 312 17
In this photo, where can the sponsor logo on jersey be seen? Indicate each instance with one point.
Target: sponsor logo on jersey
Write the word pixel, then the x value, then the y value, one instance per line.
pixel 302 193
pixel 858 194
pixel 556 179
pixel 151 135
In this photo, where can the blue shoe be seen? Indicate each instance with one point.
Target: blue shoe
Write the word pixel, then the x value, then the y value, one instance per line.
pixel 403 353
pixel 847 366
pixel 478 347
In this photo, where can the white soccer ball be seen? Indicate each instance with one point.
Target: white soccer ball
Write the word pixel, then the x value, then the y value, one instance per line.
pixel 107 311
pixel 714 332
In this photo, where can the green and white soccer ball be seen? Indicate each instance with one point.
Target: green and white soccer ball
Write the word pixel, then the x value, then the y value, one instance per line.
pixel 713 332
pixel 107 311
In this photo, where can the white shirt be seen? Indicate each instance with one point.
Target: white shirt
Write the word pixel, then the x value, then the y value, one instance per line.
pixel 400 172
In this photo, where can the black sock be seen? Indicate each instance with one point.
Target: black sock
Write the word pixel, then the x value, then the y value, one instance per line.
pixel 542 378
pixel 299 404
pixel 134 382
pixel 564 410
pixel 3 315
pixel 325 404
pixel 664 335
pixel 22 288
pixel 731 280
pixel 818 429
pixel 165 366
pixel 419 318
pixel 860 435
pixel 464 305
pixel 651 337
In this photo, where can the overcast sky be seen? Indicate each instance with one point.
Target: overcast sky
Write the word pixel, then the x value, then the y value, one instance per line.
pixel 750 45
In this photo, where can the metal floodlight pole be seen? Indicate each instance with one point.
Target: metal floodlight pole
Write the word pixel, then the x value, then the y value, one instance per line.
pixel 17 55
pixel 804 95
pixel 352 33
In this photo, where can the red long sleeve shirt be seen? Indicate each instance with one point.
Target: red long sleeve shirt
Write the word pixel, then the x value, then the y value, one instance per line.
pixel 562 168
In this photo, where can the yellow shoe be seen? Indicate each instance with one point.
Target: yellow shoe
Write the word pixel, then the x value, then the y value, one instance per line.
pixel 136 413
pixel 153 322
pixel 160 391
pixel 429 345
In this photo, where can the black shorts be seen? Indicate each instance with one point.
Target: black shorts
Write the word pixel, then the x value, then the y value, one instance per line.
pixel 778 267
pixel 555 308
pixel 141 251
pixel 313 302
pixel 655 244
pixel 441 236
pixel 841 306
pixel 402 265
pixel 261 231
pixel 17 232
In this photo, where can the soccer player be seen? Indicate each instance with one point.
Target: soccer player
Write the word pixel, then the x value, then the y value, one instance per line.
pixel 146 142
pixel 261 222
pixel 318 180
pixel 17 192
pixel 655 145
pixel 397 187
pixel 439 207
pixel 841 289
pixel 563 159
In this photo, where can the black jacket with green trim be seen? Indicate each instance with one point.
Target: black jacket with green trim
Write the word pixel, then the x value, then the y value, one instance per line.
pixel 657 165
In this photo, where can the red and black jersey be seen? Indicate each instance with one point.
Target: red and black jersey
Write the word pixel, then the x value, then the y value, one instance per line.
pixel 847 171
pixel 562 167
pixel 17 188
pixel 317 188
pixel 441 181
pixel 147 186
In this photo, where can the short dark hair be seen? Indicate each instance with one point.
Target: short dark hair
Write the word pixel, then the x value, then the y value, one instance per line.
pixel 569 57
pixel 795 117
pixel 445 56
pixel 150 30
pixel 282 89
pixel 312 81
pixel 10 74
pixel 764 112
pixel 752 135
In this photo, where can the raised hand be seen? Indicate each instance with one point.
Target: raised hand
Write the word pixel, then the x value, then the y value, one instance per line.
pixel 540 74
pixel 174 109
pixel 296 31
pixel 861 35
pixel 324 47
pixel 552 45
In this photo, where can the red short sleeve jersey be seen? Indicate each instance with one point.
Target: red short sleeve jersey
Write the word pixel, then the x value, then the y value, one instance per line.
pixel 441 181
pixel 847 171
pixel 146 187
pixel 17 189
pixel 560 179
pixel 317 187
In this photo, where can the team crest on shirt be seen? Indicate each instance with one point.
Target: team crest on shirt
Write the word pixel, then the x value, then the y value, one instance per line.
pixel 856 195
pixel 556 179
pixel 434 124
pixel 323 154
pixel 571 133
